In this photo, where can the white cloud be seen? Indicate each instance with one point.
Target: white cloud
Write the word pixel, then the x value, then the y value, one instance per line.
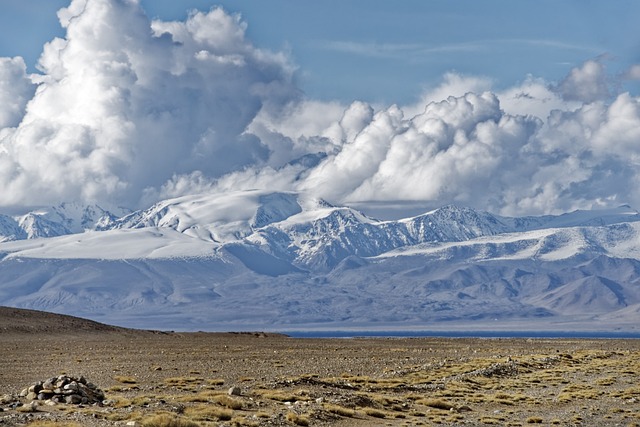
pixel 453 84
pixel 124 104
pixel 587 83
pixel 301 127
pixel 533 97
pixel 127 110
pixel 524 150
pixel 457 150
pixel 16 89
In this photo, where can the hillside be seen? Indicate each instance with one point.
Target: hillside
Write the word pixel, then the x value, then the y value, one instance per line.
pixel 22 321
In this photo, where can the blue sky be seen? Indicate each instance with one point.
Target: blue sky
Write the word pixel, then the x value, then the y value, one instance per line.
pixel 389 52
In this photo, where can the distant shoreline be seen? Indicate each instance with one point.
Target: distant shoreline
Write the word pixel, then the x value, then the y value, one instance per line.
pixel 462 334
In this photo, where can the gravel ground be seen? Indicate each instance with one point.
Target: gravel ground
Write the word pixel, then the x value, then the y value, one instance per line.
pixel 339 382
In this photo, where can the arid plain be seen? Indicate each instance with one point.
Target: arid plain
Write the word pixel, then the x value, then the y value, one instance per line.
pixel 166 379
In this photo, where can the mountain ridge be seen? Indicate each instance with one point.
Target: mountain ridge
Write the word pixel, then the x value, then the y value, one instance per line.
pixel 254 259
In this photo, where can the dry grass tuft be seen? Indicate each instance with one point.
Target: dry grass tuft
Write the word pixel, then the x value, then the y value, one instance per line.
pixel 299 420
pixel 166 420
pixel 340 410
pixel 436 403
pixel 228 402
pixel 53 424
pixel 183 381
pixel 244 422
pixel 215 381
pixel 208 413
pixel 376 413
pixel 283 396
pixel 124 379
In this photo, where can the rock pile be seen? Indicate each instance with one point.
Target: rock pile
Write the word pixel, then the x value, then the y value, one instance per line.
pixel 64 389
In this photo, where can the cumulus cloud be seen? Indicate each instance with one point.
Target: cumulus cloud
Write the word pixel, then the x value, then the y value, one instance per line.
pixel 523 150
pixel 16 89
pixel 128 110
pixel 124 103
pixel 459 150
pixel 586 83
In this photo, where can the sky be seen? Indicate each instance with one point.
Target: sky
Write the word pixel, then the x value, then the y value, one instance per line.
pixel 389 52
pixel 527 107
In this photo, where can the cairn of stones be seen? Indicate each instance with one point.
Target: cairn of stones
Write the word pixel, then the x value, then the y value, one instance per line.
pixel 64 389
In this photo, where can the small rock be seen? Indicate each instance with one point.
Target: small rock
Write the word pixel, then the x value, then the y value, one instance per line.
pixel 35 388
pixel 235 391
pixel 32 396
pixel 73 399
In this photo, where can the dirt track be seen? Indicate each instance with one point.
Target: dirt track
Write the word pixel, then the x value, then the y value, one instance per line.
pixel 286 381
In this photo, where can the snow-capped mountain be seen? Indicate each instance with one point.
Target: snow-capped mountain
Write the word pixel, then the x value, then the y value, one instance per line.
pixel 66 218
pixel 261 259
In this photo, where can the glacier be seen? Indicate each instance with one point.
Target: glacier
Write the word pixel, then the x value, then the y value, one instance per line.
pixel 281 261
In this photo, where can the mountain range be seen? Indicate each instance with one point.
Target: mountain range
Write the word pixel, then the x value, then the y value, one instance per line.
pixel 266 260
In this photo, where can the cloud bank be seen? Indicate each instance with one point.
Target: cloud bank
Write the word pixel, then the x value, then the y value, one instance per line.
pixel 123 103
pixel 128 110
